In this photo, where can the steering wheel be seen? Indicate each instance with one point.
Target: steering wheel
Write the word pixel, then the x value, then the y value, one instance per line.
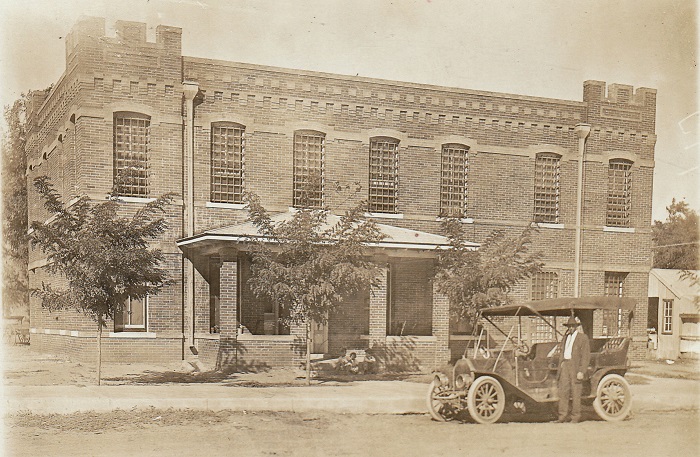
pixel 521 348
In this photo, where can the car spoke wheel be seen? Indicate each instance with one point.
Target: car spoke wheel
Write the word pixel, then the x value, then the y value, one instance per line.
pixel 442 402
pixel 486 400
pixel 613 400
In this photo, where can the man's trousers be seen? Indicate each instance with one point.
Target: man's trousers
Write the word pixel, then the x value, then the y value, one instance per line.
pixel 569 387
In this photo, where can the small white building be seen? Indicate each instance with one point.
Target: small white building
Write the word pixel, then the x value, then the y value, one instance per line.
pixel 674 314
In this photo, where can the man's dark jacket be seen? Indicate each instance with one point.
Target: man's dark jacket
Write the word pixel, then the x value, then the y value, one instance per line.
pixel 580 353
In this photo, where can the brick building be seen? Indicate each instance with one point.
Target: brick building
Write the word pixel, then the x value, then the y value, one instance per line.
pixel 210 130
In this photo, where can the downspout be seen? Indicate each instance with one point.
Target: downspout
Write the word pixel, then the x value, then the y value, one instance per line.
pixel 190 91
pixel 582 131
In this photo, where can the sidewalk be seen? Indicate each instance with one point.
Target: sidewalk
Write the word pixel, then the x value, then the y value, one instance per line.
pixel 650 393
pixel 362 397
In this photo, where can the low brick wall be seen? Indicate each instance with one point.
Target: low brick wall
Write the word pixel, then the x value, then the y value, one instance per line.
pixel 114 350
pixel 252 353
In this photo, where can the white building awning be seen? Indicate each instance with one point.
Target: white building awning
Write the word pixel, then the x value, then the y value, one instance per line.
pixel 394 237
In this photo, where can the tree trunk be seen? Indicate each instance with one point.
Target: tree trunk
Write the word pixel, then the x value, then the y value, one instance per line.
pixel 99 350
pixel 308 353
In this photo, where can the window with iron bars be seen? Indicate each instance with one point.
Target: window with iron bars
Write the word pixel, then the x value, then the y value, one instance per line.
pixel 453 181
pixel 309 151
pixel 383 175
pixel 547 189
pixel 614 287
pixel 227 162
pixel 130 160
pixel 619 193
pixel 545 284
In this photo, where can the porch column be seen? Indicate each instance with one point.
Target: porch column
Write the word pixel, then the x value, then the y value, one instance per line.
pixel 377 310
pixel 228 319
pixel 298 331
pixel 441 326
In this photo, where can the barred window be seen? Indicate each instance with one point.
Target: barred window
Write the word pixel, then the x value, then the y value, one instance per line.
pixel 453 181
pixel 668 317
pixel 545 284
pixel 383 175
pixel 544 329
pixel 547 188
pixel 619 193
pixel 309 152
pixel 227 162
pixel 130 159
pixel 614 287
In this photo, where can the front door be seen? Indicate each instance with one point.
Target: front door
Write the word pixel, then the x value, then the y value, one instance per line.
pixel 319 338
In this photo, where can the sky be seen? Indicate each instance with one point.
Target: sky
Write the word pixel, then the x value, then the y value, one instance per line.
pixel 541 48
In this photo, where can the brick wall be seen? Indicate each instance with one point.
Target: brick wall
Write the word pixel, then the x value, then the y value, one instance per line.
pixel 503 132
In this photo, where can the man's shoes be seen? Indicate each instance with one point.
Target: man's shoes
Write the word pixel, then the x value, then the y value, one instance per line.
pixel 575 421
pixel 561 421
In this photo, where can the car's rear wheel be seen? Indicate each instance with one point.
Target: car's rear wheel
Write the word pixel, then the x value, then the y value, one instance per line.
pixel 441 402
pixel 486 400
pixel 613 399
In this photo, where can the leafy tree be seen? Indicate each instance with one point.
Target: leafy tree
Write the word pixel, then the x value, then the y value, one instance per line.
pixel 308 265
pixel 103 257
pixel 15 293
pixel 676 239
pixel 475 279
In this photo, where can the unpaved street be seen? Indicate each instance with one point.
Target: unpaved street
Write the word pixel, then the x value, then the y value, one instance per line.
pixel 197 433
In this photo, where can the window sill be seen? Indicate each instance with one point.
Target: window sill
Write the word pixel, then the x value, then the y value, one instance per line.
pixel 385 215
pixel 251 337
pixel 226 205
pixel 136 199
pixel 549 225
pixel 608 228
pixel 464 220
pixel 134 335
pixel 207 336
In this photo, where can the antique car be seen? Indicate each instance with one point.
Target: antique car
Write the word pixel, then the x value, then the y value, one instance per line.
pixel 507 375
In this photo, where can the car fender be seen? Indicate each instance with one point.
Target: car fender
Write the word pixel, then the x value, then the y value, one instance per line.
pixel 598 375
pixel 509 388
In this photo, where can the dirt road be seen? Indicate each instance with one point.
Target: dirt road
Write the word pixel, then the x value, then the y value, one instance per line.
pixel 196 433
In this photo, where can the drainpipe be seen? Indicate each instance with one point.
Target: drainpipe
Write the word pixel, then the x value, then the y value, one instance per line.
pixel 190 90
pixel 582 131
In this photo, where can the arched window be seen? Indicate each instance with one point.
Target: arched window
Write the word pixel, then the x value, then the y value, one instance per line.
pixel 309 157
pixel 130 160
pixel 227 162
pixel 619 193
pixel 383 175
pixel 547 189
pixel 453 180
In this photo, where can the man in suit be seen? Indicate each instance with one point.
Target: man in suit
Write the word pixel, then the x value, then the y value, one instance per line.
pixel 574 358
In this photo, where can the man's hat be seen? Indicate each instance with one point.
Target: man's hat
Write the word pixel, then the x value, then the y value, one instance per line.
pixel 572 322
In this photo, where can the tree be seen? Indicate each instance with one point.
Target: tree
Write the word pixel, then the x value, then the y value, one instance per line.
pixel 15 292
pixel 310 266
pixel 475 279
pixel 103 257
pixel 676 239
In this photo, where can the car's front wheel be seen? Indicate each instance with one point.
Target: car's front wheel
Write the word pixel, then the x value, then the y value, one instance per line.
pixel 613 399
pixel 486 400
pixel 441 402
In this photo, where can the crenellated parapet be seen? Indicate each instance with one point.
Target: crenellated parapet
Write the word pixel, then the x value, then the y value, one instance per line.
pixel 620 107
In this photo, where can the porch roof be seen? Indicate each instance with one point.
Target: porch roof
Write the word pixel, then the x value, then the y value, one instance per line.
pixel 394 237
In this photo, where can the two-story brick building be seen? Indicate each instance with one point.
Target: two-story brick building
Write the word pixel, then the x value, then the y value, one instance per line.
pixel 211 130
